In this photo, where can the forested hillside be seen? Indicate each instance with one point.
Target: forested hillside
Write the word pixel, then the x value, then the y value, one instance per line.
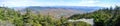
pixel 103 17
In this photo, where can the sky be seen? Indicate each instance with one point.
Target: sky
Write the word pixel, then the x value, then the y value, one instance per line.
pixel 21 3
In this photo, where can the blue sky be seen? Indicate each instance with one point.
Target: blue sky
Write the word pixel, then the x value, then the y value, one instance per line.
pixel 19 3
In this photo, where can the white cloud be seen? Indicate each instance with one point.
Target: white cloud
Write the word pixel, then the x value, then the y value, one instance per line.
pixel 96 3
pixel 14 3
pixel 19 2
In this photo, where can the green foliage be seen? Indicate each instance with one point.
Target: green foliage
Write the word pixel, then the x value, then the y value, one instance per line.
pixel 82 24
pixel 31 19
pixel 103 17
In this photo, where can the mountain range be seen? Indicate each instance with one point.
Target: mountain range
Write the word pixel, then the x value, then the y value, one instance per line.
pixel 58 11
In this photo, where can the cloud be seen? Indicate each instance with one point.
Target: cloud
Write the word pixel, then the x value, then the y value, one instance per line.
pixel 14 3
pixel 107 3
pixel 19 2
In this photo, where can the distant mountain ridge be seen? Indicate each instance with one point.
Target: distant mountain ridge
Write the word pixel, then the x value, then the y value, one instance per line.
pixel 61 10
pixel 81 8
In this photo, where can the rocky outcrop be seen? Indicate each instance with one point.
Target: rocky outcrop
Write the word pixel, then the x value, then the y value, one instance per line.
pixel 5 23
